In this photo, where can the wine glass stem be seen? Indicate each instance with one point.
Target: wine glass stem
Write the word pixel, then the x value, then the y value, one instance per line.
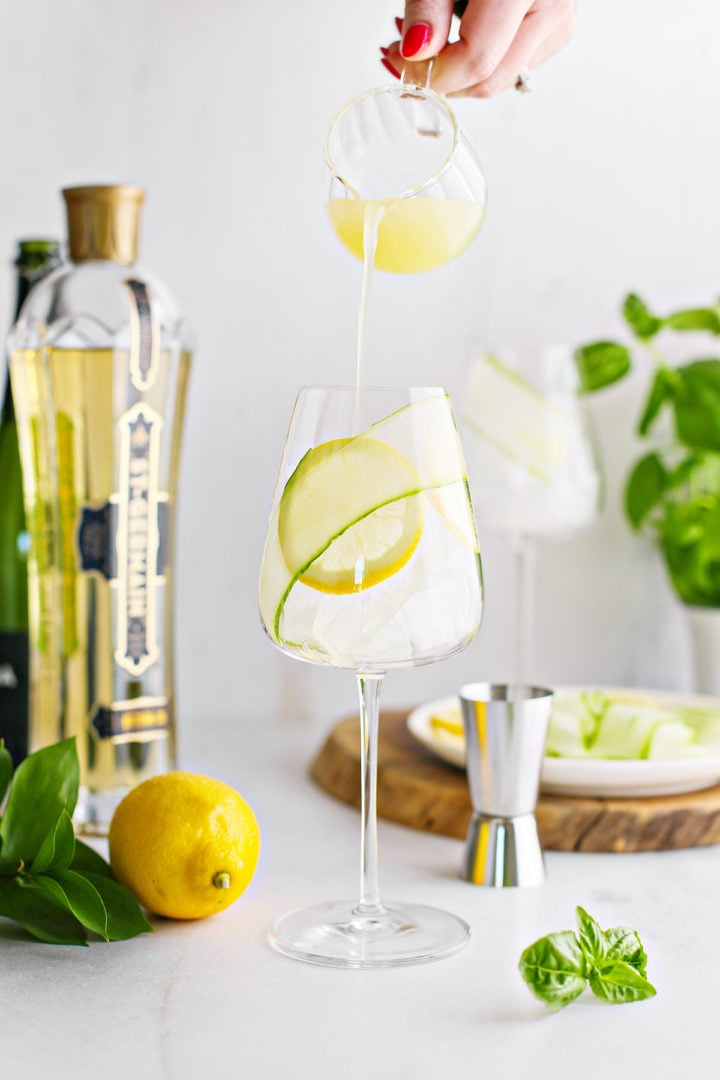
pixel 369 690
pixel 524 606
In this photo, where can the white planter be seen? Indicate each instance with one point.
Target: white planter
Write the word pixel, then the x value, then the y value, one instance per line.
pixel 704 626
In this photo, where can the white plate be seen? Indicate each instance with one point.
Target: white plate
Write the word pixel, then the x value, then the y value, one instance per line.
pixel 591 778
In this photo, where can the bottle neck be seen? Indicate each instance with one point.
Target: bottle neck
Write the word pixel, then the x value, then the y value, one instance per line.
pixel 7 414
pixel 34 262
pixel 23 286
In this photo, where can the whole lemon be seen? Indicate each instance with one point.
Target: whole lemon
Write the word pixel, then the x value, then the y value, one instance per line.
pixel 185 845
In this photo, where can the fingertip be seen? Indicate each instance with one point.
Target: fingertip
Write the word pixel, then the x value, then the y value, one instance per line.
pixel 389 67
pixel 415 39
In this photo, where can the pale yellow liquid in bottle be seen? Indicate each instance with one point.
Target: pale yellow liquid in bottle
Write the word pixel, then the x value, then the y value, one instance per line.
pixel 78 673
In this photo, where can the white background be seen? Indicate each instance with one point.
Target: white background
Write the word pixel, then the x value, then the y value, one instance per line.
pixel 604 179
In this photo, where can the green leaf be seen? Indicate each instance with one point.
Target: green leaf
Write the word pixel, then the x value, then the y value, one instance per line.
pixel 692 469
pixel 662 390
pixel 645 488
pixel 639 318
pixel 87 861
pixel 125 916
pixel 83 900
pixel 620 983
pixel 45 783
pixel 39 912
pixel 697 404
pixel 554 968
pixel 591 937
pixel 6 769
pixel 624 944
pixel 694 319
pixel 601 364
pixel 690 542
pixel 58 847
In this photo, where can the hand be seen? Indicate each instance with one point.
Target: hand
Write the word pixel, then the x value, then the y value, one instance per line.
pixel 498 40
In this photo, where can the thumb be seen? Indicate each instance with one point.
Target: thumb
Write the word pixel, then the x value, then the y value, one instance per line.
pixel 425 28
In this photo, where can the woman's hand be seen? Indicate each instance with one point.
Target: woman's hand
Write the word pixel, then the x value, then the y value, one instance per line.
pixel 499 40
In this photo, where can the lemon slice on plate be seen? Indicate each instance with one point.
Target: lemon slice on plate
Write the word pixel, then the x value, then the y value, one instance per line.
pixel 351 515
pixel 447 724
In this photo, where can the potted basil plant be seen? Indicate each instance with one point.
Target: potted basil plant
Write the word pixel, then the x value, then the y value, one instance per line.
pixel 672 493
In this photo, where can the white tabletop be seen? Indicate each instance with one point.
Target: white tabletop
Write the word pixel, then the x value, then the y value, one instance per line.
pixel 212 999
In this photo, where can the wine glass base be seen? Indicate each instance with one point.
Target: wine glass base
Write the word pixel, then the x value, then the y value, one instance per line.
pixel 341 934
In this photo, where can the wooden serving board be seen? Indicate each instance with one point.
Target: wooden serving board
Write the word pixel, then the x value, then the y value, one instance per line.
pixel 416 788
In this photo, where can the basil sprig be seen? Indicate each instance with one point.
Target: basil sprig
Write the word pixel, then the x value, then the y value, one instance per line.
pixel 559 967
pixel 54 885
pixel 673 491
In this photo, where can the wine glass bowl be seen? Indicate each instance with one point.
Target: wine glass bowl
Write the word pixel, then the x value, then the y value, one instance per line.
pixel 401 168
pixel 534 466
pixel 371 563
pixel 534 462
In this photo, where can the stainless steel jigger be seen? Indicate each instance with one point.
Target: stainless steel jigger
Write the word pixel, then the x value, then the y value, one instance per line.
pixel 505 730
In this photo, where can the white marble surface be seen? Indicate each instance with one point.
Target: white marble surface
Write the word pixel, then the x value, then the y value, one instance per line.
pixel 212 999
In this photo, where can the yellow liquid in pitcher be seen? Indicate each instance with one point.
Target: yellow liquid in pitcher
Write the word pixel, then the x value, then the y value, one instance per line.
pixel 413 235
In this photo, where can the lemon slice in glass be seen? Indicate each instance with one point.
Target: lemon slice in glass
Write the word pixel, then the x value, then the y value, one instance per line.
pixel 351 515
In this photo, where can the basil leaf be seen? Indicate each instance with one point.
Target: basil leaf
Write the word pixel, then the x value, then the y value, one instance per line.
pixel 36 909
pixel 695 319
pixel 690 542
pixel 620 983
pixel 645 487
pixel 554 968
pixel 87 861
pixel 58 847
pixel 591 937
pixel 6 769
pixel 45 783
pixel 698 469
pixel 639 318
pixel 662 389
pixel 125 917
pixel 601 364
pixel 696 404
pixel 622 943
pixel 83 900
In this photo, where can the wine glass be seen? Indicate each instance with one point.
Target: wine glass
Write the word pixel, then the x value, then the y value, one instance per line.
pixel 407 192
pixel 533 462
pixel 371 563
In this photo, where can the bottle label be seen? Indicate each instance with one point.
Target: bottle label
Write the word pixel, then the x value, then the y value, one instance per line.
pixel 96 533
pixel 14 657
pixel 145 336
pixel 137 539
pixel 128 721
pixel 126 541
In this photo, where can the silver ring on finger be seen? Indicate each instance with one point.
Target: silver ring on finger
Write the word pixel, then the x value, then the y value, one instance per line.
pixel 523 83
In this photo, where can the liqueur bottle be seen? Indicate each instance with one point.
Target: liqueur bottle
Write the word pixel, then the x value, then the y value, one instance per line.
pixel 99 361
pixel 35 259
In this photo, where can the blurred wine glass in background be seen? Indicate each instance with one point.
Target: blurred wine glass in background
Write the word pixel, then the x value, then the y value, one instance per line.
pixel 533 465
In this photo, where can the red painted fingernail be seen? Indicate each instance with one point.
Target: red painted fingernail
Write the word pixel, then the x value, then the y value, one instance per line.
pixel 386 63
pixel 384 51
pixel 416 38
pixel 399 24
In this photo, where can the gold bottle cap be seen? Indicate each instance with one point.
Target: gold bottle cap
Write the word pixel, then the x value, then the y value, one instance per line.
pixel 104 222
